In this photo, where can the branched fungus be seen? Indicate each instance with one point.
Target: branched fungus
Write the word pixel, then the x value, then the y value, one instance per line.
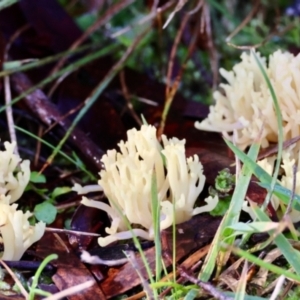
pixel 245 104
pixel 245 108
pixel 126 181
pixel 14 174
pixel 16 233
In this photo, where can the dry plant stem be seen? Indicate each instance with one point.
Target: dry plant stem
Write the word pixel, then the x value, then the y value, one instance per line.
pixel 173 54
pixel 57 83
pixel 100 22
pixel 269 289
pixel 68 205
pixel 213 55
pixel 116 67
pixel 71 291
pixel 273 32
pixel 171 89
pixel 278 287
pixel 272 150
pixel 7 91
pixel 15 278
pixel 62 243
pixel 132 259
pixel 127 98
pixel 71 231
pixel 154 6
pixel 207 287
pixel 252 268
pixel 9 114
pixel 245 21
pixel 197 8
pixel 287 288
pixel 63 117
pixel 146 19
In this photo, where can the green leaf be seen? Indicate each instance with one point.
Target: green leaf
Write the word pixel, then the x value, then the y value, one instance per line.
pixel 45 212
pixel 266 179
pixel 60 191
pixel 221 207
pixel 231 217
pixel 241 228
pixel 36 177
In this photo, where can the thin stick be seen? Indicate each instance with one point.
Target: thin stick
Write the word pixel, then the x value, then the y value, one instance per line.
pixel 209 288
pixel 15 278
pixel 72 290
pixel 128 98
pixel 7 91
pixel 71 231
pixel 100 22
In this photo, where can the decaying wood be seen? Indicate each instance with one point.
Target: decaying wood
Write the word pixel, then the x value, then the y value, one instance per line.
pixel 48 113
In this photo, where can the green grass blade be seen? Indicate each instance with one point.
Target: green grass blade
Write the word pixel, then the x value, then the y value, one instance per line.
pixel 280 130
pixel 67 69
pixel 231 217
pixel 156 226
pixel 67 157
pixel 281 192
pixel 97 92
pixel 43 61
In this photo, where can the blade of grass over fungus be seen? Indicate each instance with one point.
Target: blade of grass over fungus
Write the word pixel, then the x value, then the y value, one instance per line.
pixel 280 129
pixel 97 92
pixel 231 217
pixel 156 225
pixel 137 245
pixel 291 255
pixel 87 59
pixel 67 157
pixel 281 192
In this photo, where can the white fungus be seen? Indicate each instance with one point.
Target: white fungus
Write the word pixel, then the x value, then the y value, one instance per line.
pixel 14 174
pixel 126 181
pixel 16 233
pixel 244 104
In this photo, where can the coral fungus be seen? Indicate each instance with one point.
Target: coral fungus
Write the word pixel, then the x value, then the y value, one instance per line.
pixel 126 181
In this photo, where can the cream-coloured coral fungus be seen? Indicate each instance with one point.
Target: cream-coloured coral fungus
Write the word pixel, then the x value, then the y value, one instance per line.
pixel 126 181
pixel 14 174
pixel 244 104
pixel 290 157
pixel 16 233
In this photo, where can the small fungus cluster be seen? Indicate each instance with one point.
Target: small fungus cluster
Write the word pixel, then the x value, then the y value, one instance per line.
pixel 16 233
pixel 244 110
pixel 245 105
pixel 127 180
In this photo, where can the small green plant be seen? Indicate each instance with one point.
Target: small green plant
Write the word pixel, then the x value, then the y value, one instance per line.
pixel 33 290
